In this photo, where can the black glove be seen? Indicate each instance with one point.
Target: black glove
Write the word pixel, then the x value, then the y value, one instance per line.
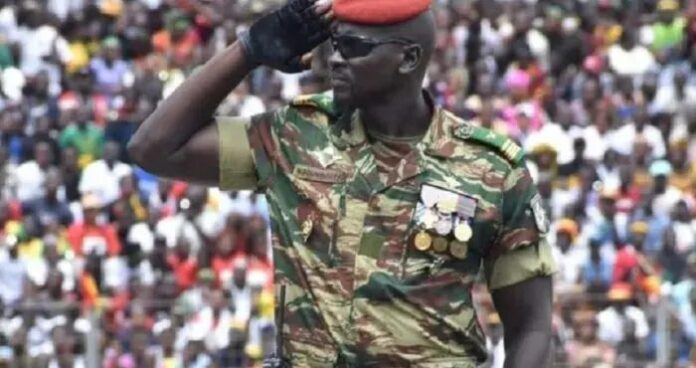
pixel 280 39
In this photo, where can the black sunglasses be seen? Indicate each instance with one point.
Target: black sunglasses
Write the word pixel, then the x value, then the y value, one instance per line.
pixel 355 46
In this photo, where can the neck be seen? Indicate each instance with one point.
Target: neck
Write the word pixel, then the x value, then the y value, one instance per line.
pixel 401 114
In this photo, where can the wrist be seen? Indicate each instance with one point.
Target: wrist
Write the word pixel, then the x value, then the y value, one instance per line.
pixel 250 59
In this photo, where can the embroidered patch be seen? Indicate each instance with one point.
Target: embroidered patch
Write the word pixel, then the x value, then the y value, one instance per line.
pixel 318 174
pixel 540 217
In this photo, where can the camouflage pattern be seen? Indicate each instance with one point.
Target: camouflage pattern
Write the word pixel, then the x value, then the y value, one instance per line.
pixel 358 292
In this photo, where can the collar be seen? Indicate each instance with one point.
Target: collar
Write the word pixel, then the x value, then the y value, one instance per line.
pixel 436 142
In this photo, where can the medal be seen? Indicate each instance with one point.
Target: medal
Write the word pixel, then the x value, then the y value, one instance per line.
pixel 429 219
pixel 440 245
pixel 423 241
pixel 463 231
pixel 459 249
pixel 443 226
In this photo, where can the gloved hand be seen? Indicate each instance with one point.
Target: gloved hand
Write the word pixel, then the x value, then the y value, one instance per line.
pixel 280 39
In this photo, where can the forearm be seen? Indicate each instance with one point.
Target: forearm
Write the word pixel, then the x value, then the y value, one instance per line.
pixel 190 108
pixel 529 349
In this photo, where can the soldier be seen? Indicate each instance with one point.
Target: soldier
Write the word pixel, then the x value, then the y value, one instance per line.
pixel 384 205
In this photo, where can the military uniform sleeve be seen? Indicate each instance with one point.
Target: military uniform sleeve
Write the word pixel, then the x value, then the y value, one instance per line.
pixel 521 251
pixel 248 148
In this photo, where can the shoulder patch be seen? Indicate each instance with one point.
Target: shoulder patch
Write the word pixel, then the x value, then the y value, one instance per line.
pixel 504 145
pixel 320 102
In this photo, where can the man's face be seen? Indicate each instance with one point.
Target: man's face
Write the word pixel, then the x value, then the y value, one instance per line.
pixel 364 66
pixel 43 154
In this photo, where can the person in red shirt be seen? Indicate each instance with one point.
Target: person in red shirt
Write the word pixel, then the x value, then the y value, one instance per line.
pixel 89 236
pixel 183 264
pixel 224 258
pixel 632 266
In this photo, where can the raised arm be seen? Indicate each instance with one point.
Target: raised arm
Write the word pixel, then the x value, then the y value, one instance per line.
pixel 179 140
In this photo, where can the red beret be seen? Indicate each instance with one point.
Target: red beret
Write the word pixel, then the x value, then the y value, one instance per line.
pixel 378 12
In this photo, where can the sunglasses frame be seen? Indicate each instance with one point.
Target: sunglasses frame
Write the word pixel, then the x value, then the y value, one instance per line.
pixel 335 44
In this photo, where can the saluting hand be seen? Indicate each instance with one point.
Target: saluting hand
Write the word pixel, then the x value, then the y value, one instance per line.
pixel 282 38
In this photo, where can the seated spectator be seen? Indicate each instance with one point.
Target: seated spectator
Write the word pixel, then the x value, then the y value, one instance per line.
pixel 84 136
pixel 597 272
pixel 672 263
pixel 49 208
pixel 194 220
pixel 29 177
pixel 183 263
pixel 110 71
pixel 91 237
pixel 102 177
pixel 612 320
pixel 12 273
pixel 687 317
pixel 569 255
pixel 588 349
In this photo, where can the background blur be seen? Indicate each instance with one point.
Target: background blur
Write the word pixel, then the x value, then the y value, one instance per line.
pixel 102 264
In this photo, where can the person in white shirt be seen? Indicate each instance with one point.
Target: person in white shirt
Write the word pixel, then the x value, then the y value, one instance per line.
pixel 624 138
pixel 29 177
pixel 212 323
pixel 102 177
pixel 612 319
pixel 665 196
pixel 194 221
pixel 42 48
pixel 628 57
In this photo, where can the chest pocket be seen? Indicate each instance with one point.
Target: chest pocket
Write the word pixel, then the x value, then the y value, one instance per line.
pixel 318 210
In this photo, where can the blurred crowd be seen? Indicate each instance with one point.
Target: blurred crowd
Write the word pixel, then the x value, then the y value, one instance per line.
pixel 97 253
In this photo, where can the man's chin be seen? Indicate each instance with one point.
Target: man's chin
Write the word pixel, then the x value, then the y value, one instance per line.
pixel 342 103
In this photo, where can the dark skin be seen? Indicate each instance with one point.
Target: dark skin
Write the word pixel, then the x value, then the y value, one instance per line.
pixel 385 87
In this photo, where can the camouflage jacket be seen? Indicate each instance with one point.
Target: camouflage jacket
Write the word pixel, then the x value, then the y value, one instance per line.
pixel 359 292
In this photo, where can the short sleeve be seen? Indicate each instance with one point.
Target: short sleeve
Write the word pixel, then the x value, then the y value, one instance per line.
pixel 521 250
pixel 247 150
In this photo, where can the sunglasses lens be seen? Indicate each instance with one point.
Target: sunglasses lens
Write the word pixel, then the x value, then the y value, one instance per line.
pixel 352 47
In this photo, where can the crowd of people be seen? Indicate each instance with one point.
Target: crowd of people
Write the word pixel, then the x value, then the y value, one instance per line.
pixel 95 252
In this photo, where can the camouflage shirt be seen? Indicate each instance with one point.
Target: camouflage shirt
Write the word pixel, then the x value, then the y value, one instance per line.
pixel 359 292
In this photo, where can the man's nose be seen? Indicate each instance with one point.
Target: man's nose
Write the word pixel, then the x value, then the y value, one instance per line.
pixel 336 59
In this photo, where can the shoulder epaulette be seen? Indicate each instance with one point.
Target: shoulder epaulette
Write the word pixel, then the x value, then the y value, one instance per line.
pixel 504 145
pixel 320 102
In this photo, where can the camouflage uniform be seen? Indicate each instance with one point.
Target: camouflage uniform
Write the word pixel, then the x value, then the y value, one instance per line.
pixel 358 292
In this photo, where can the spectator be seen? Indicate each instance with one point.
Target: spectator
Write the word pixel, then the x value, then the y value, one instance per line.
pixel 12 273
pixel 613 319
pixel 49 208
pixel 91 237
pixel 84 136
pixel 102 177
pixel 588 350
pixel 29 176
pixel 109 70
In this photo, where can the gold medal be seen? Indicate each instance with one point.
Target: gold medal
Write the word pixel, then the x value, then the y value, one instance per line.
pixel 440 245
pixel 463 232
pixel 423 241
pixel 459 250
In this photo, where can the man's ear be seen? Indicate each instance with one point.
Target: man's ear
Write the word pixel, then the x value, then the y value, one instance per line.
pixel 412 58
